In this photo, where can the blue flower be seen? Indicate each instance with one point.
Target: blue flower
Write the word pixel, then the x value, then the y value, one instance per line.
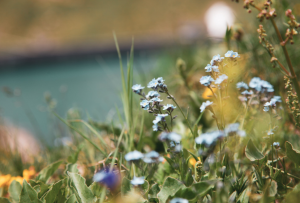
pixel 179 200
pixel 171 136
pixel 209 68
pixel 260 85
pixel 107 178
pixel 270 132
pixel 246 92
pixel 152 157
pixel 240 85
pixel 276 144
pixel 209 138
pixel 169 107
pixel 145 104
pixel 267 107
pixel 272 103
pixel 267 86
pixel 206 80
pixel 233 128
pixel 137 88
pixel 154 83
pixel 204 105
pixel 160 117
pixel 137 181
pixel 232 54
pixel 220 79
pixel 152 94
pixel 134 156
pixel 155 127
pixel 156 99
pixel 216 58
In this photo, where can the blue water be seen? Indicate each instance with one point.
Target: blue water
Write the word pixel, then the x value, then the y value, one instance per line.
pixel 91 84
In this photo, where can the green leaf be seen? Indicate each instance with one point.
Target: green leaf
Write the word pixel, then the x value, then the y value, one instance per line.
pixel 252 153
pixel 32 194
pixel 71 168
pixel 47 172
pixel 145 187
pixel 43 189
pixel 85 194
pixel 292 154
pixel 169 188
pixel 232 197
pixel 71 199
pixel 126 186
pixel 152 195
pixel 193 155
pixel 4 200
pixel 244 197
pixel 95 188
pixel 273 189
pixel 197 189
pixel 53 192
pixel 189 178
pixel 14 190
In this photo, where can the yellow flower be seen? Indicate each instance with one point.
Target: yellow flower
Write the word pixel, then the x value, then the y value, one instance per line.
pixel 16 178
pixel 29 174
pixel 4 179
pixel 192 161
pixel 207 94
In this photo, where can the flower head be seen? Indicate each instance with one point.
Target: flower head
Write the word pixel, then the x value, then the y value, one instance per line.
pixel 152 94
pixel 247 93
pixel 206 80
pixel 154 83
pixel 137 88
pixel 137 181
pixel 152 157
pixel 179 200
pixel 216 59
pixel 276 145
pixel 209 138
pixel 204 105
pixel 108 178
pixel 134 156
pixel 145 104
pixel 260 85
pixel 233 128
pixel 169 107
pixel 171 136
pixel 232 54
pixel 156 99
pixel 209 68
pixel 241 85
pixel 220 79
pixel 160 117
pixel 155 127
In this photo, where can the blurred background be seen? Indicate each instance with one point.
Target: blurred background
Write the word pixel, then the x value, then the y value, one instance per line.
pixel 64 50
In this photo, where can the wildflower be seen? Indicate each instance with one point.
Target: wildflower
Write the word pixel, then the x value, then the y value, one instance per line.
pixel 145 104
pixel 260 85
pixel 108 178
pixel 232 54
pixel 267 86
pixel 4 179
pixel 179 200
pixel 133 156
pixel 169 107
pixel 152 94
pixel 177 148
pixel 137 88
pixel 155 82
pixel 29 173
pixel 155 127
pixel 160 117
pixel 276 145
pixel 272 103
pixel 207 94
pixel 216 58
pixel 172 136
pixel 247 93
pixel 206 80
pixel 156 99
pixel 209 138
pixel 209 68
pixel 240 85
pixel 270 132
pixel 267 107
pixel 204 105
pixel 137 181
pixel 220 79
pixel 192 161
pixel 152 157
pixel 233 128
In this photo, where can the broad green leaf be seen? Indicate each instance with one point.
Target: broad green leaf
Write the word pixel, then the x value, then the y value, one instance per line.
pixel 47 172
pixel 292 154
pixel 43 189
pixel 154 190
pixel 145 187
pixel 30 192
pixel 244 197
pixel 169 188
pixel 53 192
pixel 71 168
pixel 4 200
pixel 194 156
pixel 273 189
pixel 188 178
pixel 71 199
pixel 252 153
pixel 95 188
pixel 85 194
pixel 232 197
pixel 126 186
pixel 197 189
pixel 14 190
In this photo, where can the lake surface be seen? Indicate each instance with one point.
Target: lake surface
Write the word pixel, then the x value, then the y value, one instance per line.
pixel 92 84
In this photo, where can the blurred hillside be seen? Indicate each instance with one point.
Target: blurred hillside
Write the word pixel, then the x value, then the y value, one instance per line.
pixel 36 26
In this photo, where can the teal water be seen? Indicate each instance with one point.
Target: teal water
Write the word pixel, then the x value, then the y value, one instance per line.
pixel 91 84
